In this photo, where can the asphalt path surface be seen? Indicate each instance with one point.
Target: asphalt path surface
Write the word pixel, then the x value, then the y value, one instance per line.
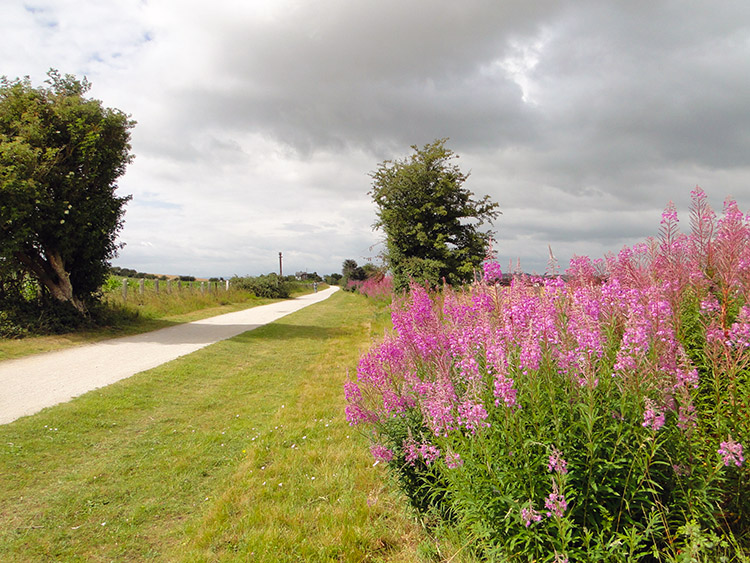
pixel 27 385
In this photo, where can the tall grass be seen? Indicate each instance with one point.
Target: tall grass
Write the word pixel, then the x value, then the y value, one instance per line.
pixel 176 300
pixel 600 417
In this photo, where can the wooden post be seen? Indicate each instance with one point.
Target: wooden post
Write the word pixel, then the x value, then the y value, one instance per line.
pixel 169 286
pixel 156 286
pixel 141 285
pixel 124 289
pixel 203 289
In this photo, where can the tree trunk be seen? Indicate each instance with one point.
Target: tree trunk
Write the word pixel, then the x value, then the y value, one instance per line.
pixel 52 274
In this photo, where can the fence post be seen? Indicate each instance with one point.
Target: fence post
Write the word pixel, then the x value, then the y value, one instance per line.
pixel 141 285
pixel 124 289
pixel 203 288
pixel 169 286
pixel 156 286
pixel 227 285
pixel 179 285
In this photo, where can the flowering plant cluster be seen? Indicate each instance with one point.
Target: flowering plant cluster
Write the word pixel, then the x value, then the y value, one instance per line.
pixel 376 287
pixel 595 416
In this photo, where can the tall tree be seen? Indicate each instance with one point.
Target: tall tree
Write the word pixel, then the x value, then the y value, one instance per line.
pixel 431 222
pixel 352 271
pixel 60 156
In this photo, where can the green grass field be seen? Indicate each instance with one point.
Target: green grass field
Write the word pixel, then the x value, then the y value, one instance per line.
pixel 238 452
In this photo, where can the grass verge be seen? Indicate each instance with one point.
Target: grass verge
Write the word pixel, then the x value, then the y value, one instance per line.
pixel 141 313
pixel 238 452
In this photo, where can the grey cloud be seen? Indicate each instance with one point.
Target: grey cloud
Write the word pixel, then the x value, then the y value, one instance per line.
pixel 581 118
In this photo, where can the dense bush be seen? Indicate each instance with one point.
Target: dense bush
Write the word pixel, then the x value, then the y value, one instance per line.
pixel 596 417
pixel 270 286
pixel 43 315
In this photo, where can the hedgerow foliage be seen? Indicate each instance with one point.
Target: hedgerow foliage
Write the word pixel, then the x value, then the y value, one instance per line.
pixel 599 416
pixel 269 286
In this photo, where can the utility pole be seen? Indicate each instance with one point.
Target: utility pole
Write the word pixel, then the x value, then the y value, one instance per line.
pixel 281 275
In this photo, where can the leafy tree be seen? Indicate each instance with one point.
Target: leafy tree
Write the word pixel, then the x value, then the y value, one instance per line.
pixel 60 156
pixel 352 271
pixel 430 220
pixel 371 270
pixel 333 279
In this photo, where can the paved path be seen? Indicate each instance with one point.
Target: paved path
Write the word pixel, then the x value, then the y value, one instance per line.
pixel 28 385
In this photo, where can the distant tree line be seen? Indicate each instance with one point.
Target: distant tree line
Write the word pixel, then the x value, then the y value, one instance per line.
pixel 130 273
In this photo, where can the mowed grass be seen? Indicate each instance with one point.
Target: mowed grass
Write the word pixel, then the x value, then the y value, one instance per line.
pixel 238 452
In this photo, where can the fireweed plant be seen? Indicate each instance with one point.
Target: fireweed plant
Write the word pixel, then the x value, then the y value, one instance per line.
pixel 379 287
pixel 598 416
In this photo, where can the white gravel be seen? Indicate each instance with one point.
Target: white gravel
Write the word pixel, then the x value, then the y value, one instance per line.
pixel 28 385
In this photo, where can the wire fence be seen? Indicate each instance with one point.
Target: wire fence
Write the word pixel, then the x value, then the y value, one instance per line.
pixel 141 286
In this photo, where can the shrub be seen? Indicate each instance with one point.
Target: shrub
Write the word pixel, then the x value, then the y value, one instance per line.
pixel 269 286
pixel 602 416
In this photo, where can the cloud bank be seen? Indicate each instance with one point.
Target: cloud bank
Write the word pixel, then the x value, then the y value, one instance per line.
pixel 258 122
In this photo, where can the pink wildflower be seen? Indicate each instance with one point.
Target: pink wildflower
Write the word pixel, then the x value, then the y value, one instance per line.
pixel 381 453
pixel 710 304
pixel 652 416
pixel 555 502
pixel 556 462
pixel 739 333
pixel 686 418
pixel 505 392
pixel 453 460
pixel 429 453
pixel 492 272
pixel 472 415
pixel 731 451
pixel 356 414
pixel 411 453
pixel 529 515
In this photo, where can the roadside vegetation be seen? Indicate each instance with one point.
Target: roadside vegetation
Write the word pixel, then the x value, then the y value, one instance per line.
pixel 597 416
pixel 37 325
pixel 238 452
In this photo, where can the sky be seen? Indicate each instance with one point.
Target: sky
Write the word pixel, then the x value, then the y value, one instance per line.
pixel 259 121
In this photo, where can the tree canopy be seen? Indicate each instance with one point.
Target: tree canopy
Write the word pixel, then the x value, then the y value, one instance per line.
pixel 60 156
pixel 431 222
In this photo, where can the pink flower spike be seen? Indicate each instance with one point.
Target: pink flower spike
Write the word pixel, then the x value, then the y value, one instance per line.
pixel 556 462
pixel 529 515
pixel 731 451
pixel 555 503
pixel 492 272
pixel 381 453
pixel 653 416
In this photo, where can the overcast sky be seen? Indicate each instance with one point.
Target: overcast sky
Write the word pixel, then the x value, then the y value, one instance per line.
pixel 259 121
